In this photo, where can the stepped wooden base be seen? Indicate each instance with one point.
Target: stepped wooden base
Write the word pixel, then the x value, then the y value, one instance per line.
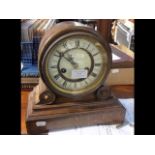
pixel 44 118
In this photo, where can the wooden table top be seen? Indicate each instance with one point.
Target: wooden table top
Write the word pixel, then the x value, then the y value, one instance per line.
pixel 124 91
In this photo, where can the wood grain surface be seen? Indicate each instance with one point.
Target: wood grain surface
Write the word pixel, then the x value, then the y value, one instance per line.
pixel 124 91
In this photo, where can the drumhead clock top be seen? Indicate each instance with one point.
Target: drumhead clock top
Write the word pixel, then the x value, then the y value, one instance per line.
pixel 74 60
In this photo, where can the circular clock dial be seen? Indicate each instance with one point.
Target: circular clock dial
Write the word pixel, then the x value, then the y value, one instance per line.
pixel 76 65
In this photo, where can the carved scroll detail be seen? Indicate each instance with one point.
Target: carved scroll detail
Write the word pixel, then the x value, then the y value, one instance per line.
pixel 103 93
pixel 43 95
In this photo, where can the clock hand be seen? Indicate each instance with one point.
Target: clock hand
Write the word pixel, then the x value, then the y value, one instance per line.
pixel 75 65
pixel 70 59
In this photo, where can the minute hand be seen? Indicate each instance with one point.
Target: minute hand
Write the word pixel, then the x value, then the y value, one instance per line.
pixel 75 65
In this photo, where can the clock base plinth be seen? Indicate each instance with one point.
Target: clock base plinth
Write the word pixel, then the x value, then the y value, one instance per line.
pixel 44 118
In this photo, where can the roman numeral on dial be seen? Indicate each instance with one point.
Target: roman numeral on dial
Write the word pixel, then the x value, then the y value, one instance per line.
pixel 57 76
pixel 86 82
pixel 54 66
pixel 64 84
pixel 88 46
pixel 93 74
pixel 77 42
pixel 98 64
pixel 65 45
pixel 58 54
pixel 96 54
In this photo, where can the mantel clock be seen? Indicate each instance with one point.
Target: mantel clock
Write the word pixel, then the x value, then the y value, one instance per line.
pixel 74 61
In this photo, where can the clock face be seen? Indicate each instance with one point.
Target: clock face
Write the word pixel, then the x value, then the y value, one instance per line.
pixel 76 65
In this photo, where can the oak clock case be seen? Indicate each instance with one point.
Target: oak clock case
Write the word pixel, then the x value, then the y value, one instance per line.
pixel 74 61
